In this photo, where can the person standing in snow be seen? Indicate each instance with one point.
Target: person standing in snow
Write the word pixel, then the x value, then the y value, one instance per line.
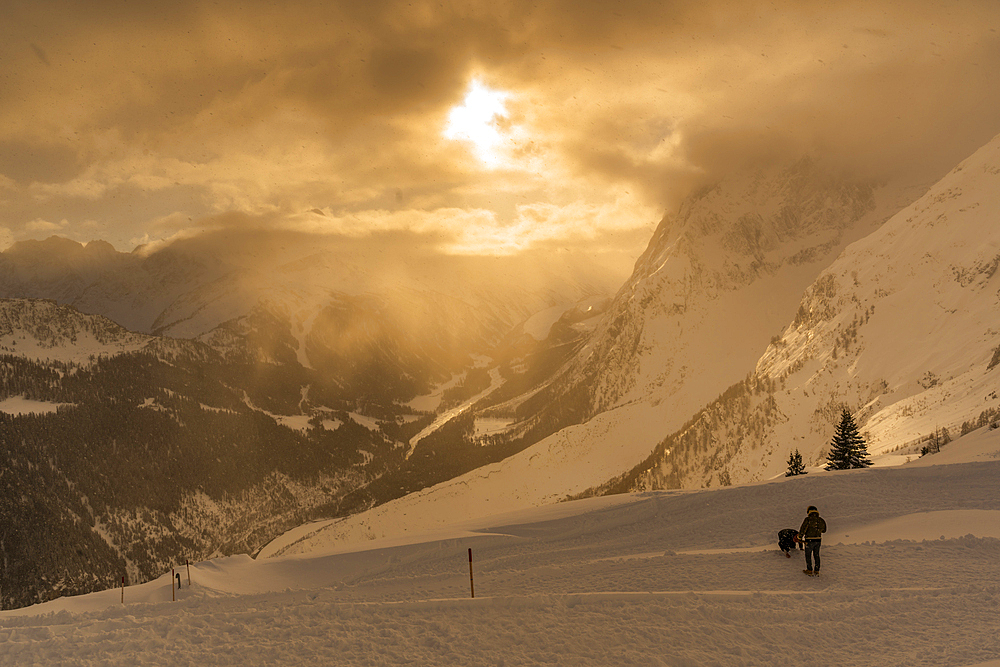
pixel 811 533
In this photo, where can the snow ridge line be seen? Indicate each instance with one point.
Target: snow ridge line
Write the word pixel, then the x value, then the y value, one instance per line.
pixel 570 599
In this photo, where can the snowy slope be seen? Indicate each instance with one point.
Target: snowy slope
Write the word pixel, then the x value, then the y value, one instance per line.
pixel 712 288
pixel 585 456
pixel 716 283
pixel 902 328
pixel 573 460
pixel 41 329
pixel 661 578
pixel 719 279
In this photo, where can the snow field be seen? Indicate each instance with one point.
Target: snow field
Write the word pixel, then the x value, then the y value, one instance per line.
pixel 19 405
pixel 693 629
pixel 815 622
pixel 909 577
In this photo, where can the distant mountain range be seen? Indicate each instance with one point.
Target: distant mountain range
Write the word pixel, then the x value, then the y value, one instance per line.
pixel 384 318
pixel 201 398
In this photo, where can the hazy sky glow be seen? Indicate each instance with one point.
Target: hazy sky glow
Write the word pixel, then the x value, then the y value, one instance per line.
pixel 482 127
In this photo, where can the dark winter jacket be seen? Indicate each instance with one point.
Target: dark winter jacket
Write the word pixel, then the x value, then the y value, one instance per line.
pixel 813 527
pixel 786 539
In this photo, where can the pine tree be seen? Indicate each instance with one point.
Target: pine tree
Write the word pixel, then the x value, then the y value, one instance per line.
pixel 795 465
pixel 847 449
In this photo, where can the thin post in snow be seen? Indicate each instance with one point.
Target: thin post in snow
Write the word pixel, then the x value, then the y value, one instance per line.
pixel 188 563
pixel 173 590
pixel 472 584
pixel 123 589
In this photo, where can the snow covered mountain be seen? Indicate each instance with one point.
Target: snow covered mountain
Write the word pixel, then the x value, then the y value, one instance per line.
pixel 188 287
pixel 901 329
pixel 388 319
pixel 294 407
pixel 654 389
pixel 41 329
pixel 717 281
pixel 123 451
pixel 716 284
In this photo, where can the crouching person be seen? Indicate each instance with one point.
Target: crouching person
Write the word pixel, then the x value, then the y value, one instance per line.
pixel 787 539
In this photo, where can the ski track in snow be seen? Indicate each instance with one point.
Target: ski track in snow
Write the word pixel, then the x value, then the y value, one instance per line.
pixel 659 578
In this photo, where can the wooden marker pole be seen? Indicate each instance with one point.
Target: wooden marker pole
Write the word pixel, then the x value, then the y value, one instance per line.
pixel 173 589
pixel 472 584
pixel 123 590
pixel 188 563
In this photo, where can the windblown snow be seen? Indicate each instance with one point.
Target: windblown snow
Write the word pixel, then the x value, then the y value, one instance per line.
pixel 909 577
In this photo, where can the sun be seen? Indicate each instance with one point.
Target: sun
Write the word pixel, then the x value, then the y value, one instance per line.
pixel 475 121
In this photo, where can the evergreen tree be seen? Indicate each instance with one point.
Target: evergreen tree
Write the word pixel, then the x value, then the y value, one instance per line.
pixel 795 465
pixel 847 449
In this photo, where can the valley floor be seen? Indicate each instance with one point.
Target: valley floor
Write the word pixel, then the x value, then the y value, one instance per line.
pixel 910 577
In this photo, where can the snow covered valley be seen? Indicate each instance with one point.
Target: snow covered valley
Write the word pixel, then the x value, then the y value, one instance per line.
pixel 909 577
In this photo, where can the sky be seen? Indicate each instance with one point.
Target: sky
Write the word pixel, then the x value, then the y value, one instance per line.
pixel 474 127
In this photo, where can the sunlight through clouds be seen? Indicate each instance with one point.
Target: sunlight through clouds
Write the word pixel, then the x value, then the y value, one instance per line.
pixel 475 121
pixel 526 111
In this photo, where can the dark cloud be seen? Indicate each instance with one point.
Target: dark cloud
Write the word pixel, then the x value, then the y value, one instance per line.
pixel 156 112
pixel 876 90
pixel 412 74
pixel 912 112
pixel 28 162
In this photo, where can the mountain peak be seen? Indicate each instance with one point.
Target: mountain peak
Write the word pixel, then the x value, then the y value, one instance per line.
pixel 54 245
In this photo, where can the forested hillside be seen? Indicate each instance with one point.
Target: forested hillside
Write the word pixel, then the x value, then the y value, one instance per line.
pixel 144 462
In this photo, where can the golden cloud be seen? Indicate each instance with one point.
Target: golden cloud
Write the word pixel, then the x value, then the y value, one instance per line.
pixel 143 117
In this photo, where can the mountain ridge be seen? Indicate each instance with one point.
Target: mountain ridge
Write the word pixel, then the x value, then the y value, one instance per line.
pixel 731 437
pixel 900 329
